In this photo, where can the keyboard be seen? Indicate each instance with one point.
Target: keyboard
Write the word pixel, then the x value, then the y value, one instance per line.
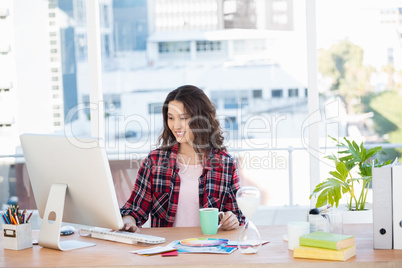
pixel 120 236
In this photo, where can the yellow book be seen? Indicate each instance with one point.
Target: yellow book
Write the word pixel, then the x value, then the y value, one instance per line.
pixel 324 254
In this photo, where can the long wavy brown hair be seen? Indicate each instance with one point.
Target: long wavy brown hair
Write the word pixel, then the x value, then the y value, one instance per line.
pixel 203 121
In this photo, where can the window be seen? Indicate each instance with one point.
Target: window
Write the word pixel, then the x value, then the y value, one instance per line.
pixel 112 101
pixel 248 46
pixel 293 92
pixel 155 108
pixel 280 19
pixel 208 45
pixel 124 31
pixel 244 101
pixel 277 93
pixel 231 123
pixel 81 43
pixel 279 6
pixel 106 45
pixel 105 17
pixel 230 103
pixel 390 55
pixel 215 102
pixel 257 93
pixel 80 11
pixel 3 13
pixel 174 47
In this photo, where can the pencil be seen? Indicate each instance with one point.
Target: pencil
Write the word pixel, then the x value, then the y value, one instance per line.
pixel 13 220
pixel 7 219
pixel 16 219
pixel 29 216
pixel 4 218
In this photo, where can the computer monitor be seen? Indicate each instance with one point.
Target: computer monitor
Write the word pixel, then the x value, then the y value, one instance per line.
pixel 71 182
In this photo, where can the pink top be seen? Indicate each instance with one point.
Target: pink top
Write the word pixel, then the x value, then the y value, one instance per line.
pixel 188 205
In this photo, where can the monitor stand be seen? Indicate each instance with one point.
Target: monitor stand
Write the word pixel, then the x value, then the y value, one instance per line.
pixel 49 236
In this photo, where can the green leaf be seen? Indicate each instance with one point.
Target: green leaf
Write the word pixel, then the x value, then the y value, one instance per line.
pixel 318 188
pixel 363 152
pixel 345 188
pixel 372 151
pixel 331 182
pixel 337 195
pixel 362 178
pixel 343 171
pixel 322 198
pixel 332 157
pixel 350 165
pixel 355 146
pixel 336 175
pixel 333 138
pixel 352 149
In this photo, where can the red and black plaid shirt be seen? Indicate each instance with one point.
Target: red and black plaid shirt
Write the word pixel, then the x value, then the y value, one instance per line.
pixel 156 190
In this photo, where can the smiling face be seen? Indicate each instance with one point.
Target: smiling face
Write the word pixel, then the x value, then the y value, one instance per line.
pixel 178 122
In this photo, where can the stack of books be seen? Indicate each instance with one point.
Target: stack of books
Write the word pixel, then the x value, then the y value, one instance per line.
pixel 326 246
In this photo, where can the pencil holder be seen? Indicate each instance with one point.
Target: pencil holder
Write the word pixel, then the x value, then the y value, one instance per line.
pixel 17 237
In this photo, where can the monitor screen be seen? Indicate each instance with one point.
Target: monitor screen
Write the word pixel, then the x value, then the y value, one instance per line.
pixel 72 182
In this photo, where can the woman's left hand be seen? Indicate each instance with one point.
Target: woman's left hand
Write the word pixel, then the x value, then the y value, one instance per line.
pixel 229 221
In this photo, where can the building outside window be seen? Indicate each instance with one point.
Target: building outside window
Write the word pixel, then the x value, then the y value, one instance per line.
pixel 277 93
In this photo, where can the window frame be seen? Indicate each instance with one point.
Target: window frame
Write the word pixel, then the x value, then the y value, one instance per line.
pixel 95 85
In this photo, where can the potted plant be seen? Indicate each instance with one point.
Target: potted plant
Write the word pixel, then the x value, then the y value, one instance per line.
pixel 352 158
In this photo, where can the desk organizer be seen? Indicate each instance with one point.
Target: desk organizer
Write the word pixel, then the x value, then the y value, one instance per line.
pixel 17 237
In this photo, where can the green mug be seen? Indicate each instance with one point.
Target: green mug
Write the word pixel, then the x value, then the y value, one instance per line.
pixel 209 220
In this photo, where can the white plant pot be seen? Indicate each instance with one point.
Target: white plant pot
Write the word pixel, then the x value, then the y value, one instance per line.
pixel 356 216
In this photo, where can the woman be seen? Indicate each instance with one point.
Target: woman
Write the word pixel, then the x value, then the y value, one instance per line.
pixel 191 169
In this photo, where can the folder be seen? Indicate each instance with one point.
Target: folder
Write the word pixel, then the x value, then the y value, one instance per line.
pixel 397 205
pixel 382 207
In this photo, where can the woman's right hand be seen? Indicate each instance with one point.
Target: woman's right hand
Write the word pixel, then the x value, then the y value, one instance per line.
pixel 129 224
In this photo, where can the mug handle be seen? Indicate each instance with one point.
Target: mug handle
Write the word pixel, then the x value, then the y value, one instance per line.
pixel 223 214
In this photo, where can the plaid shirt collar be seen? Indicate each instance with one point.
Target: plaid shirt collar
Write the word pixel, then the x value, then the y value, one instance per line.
pixel 207 160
